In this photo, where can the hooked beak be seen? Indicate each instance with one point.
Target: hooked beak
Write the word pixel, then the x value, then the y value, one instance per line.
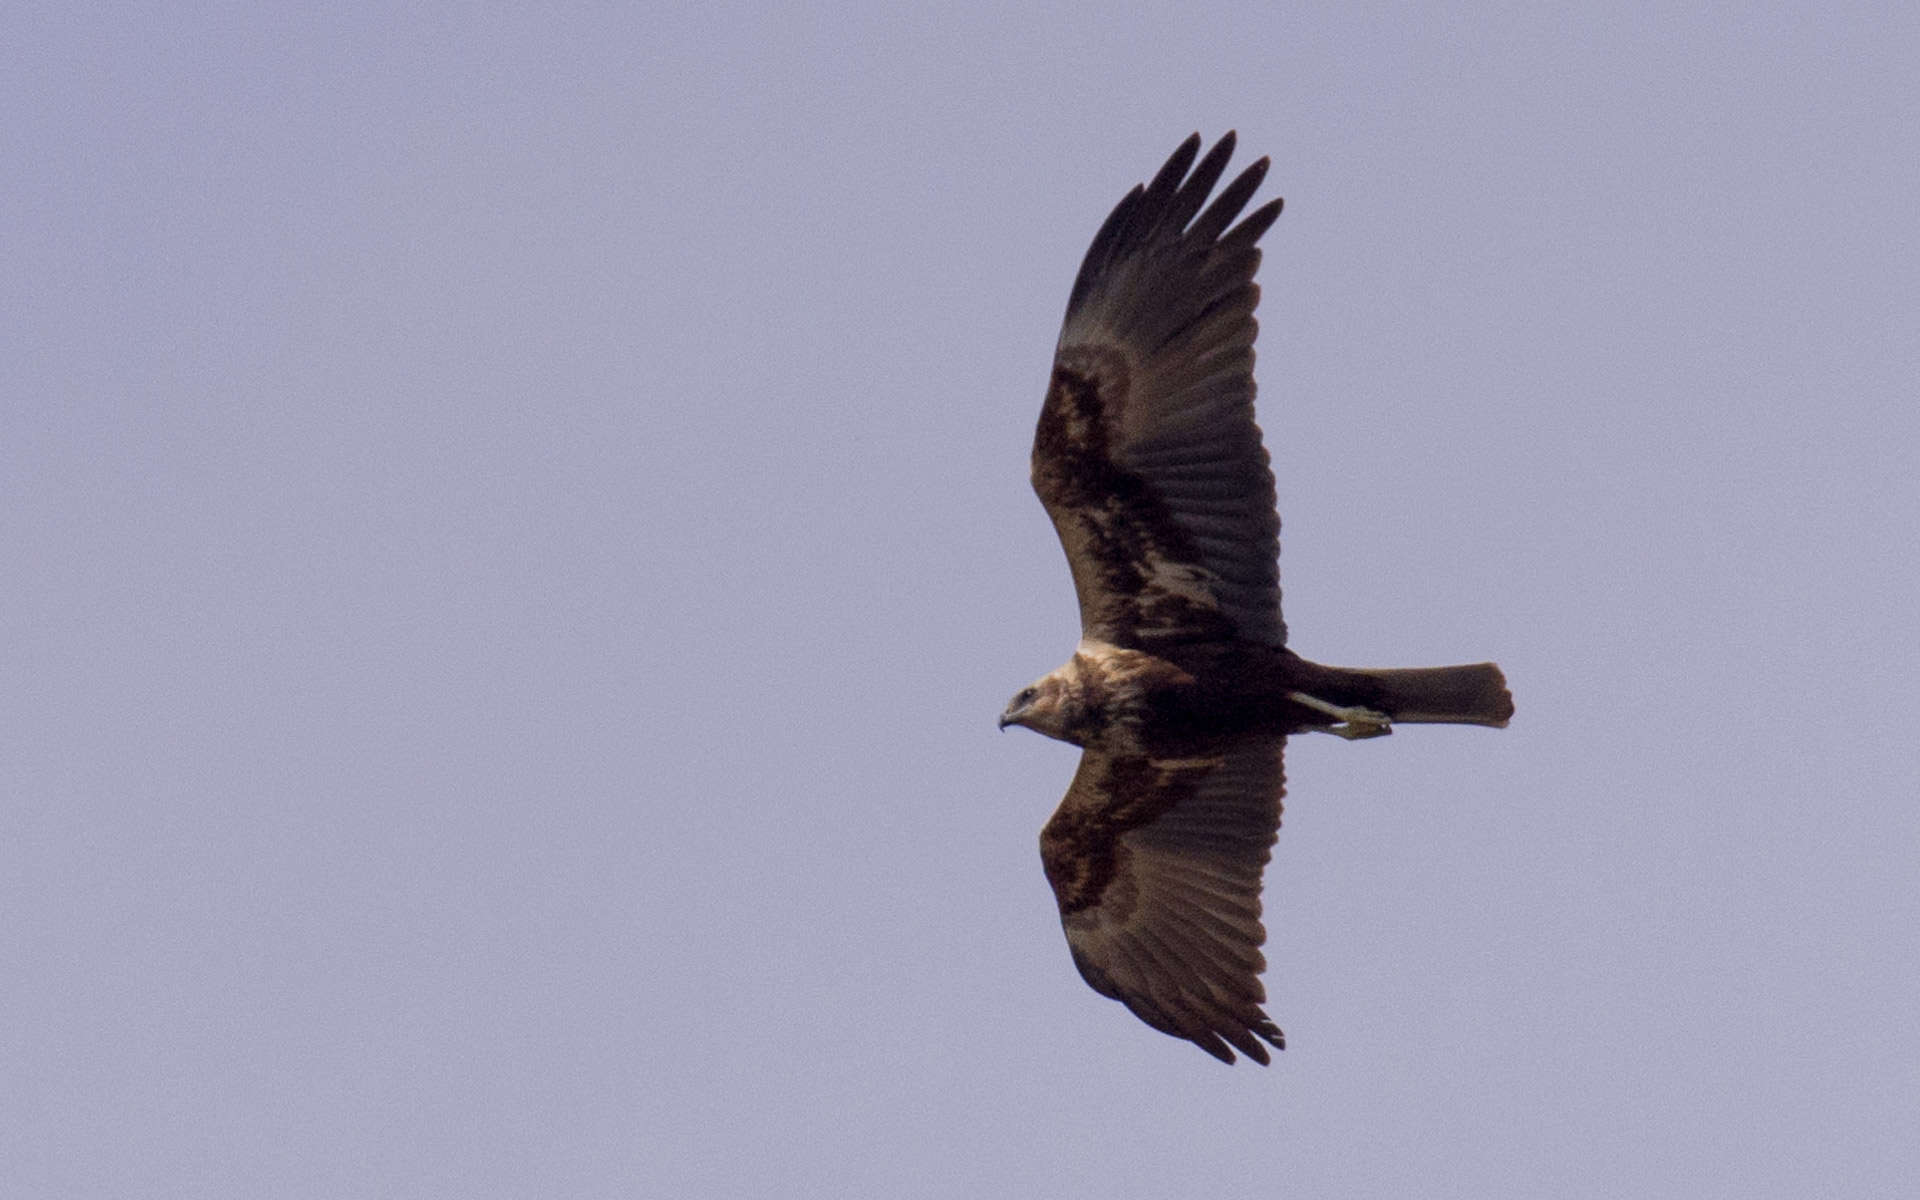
pixel 1004 722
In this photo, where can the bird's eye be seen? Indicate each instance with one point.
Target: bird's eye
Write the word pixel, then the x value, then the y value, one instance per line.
pixel 1025 697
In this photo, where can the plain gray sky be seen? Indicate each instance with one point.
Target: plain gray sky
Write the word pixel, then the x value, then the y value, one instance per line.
pixel 514 534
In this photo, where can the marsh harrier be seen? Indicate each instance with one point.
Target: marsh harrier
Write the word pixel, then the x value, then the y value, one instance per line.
pixel 1182 691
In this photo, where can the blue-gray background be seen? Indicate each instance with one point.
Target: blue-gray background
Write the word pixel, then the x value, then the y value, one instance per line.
pixel 515 534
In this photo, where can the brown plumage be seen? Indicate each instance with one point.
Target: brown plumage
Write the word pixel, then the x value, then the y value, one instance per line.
pixel 1182 691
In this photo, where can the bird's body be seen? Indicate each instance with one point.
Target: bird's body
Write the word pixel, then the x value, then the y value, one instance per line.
pixel 1110 698
pixel 1182 691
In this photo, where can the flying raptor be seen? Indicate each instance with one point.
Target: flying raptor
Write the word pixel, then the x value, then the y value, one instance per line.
pixel 1182 692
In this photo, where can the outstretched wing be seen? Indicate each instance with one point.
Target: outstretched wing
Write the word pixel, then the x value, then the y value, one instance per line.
pixel 1156 863
pixel 1147 456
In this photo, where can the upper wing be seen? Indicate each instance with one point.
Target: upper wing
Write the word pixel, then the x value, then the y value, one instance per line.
pixel 1147 456
pixel 1156 864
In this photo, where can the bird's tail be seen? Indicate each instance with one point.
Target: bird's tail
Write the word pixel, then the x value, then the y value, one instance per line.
pixel 1469 695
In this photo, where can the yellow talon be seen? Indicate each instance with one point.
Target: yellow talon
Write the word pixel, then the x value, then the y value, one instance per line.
pixel 1354 722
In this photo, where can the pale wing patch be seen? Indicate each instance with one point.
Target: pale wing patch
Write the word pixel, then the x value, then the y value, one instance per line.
pixel 1183 580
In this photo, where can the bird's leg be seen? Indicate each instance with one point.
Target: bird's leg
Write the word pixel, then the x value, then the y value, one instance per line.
pixel 1355 722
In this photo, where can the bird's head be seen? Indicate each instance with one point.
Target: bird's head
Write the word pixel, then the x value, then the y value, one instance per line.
pixel 1041 706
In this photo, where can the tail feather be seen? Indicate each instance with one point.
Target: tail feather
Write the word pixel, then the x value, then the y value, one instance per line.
pixel 1468 695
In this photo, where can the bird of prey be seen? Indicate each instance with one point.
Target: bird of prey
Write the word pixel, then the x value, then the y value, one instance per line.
pixel 1182 691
